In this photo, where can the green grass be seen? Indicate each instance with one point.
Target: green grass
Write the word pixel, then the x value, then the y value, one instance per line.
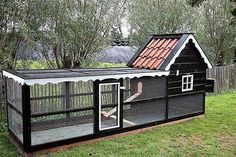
pixel 213 135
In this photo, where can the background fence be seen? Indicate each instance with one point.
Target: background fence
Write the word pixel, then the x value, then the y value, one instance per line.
pixel 225 80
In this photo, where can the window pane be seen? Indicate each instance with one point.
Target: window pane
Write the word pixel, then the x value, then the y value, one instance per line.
pixel 184 86
pixel 189 86
pixel 185 79
pixel 190 79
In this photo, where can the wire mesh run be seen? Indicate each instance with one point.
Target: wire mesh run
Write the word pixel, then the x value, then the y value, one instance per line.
pixel 144 100
pixel 61 111
pixel 60 97
pixel 143 112
pixel 144 88
pixel 184 105
pixel 14 94
pixel 15 123
pixel 57 127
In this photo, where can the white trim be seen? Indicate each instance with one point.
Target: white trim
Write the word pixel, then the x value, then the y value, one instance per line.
pixel 14 77
pixel 183 46
pixel 82 78
pixel 187 83
pixel 118 106
pixel 177 72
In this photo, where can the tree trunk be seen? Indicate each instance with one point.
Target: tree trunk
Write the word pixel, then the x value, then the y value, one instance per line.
pixel 235 56
pixel 221 58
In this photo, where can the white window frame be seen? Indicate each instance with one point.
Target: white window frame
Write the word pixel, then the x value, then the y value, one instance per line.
pixel 187 83
pixel 100 106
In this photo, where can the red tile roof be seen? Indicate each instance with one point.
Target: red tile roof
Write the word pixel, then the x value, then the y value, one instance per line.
pixel 155 53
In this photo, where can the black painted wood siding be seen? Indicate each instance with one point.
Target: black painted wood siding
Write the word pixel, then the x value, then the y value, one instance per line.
pixel 188 62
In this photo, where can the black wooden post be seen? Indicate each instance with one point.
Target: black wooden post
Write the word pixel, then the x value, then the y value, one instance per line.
pixel 96 105
pixel 166 97
pixel 26 117
pixel 121 104
pixel 68 102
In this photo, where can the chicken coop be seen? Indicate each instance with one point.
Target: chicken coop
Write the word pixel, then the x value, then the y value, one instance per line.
pixel 164 81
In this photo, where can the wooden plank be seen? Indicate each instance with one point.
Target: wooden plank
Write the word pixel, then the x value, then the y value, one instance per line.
pixel 224 76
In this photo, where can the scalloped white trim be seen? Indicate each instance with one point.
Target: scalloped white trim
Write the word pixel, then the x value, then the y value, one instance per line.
pixel 183 46
pixel 85 78
pixel 14 77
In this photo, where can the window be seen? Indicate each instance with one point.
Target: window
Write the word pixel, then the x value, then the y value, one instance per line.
pixel 187 83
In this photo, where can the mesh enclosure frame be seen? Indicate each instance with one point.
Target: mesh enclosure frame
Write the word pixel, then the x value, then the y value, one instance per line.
pixel 75 97
pixel 14 106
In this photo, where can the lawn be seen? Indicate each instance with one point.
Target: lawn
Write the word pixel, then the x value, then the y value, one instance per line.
pixel 213 135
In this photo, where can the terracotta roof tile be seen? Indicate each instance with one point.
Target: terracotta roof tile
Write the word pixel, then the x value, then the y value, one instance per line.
pixel 136 61
pixel 155 53
pixel 149 65
pixel 172 43
pixel 158 52
pixel 164 45
pixel 140 62
pixel 144 51
pixel 157 63
pixel 146 62
pixel 150 43
pixel 164 53
pixel 160 43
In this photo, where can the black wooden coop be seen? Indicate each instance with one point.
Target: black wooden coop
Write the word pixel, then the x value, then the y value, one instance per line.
pixel 164 81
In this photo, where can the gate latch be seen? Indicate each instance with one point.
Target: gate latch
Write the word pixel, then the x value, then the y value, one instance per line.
pixel 122 87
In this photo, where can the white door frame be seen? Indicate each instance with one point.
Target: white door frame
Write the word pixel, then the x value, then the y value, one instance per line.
pixel 118 106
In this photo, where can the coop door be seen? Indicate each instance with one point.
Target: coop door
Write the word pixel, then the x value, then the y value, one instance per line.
pixel 109 105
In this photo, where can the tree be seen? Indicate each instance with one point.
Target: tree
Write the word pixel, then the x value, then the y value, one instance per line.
pixel 156 17
pixel 213 27
pixel 233 19
pixel 12 15
pixel 71 31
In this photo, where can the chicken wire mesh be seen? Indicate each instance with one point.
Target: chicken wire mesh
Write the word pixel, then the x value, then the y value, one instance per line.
pixel 46 100
pixel 14 99
pixel 14 94
pixel 138 109
pixel 15 123
pixel 184 105
pixel 143 112
pixel 62 96
pixel 57 127
pixel 145 88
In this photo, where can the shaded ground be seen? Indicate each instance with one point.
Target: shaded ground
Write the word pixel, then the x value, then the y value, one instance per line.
pixel 214 135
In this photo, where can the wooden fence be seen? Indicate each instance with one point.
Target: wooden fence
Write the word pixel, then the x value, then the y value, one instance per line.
pixel 225 77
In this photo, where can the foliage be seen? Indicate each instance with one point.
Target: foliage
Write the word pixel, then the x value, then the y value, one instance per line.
pixel 68 31
pixel 73 30
pixel 157 17
pixel 211 20
pixel 213 135
pixel 214 29
pixel 12 31
pixel 32 64
pixel 42 64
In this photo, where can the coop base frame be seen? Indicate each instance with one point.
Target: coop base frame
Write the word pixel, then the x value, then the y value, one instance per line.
pixel 69 143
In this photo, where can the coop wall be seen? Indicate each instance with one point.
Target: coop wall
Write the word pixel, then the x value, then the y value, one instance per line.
pixel 181 103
